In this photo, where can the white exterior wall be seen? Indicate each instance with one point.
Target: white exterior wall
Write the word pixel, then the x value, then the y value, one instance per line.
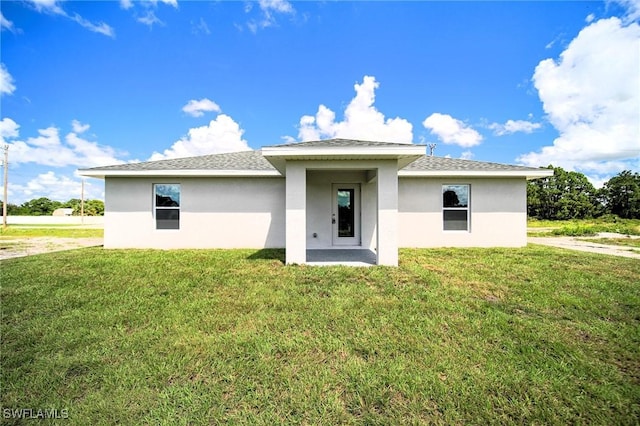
pixel 498 213
pixel 296 195
pixel 388 214
pixel 214 213
pixel 95 221
pixel 238 212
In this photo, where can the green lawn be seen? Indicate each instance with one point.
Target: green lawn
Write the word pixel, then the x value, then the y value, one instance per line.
pixel 452 336
pixel 583 227
pixel 59 231
pixel 631 242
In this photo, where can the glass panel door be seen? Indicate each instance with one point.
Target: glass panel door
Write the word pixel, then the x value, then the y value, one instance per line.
pixel 346 223
pixel 346 214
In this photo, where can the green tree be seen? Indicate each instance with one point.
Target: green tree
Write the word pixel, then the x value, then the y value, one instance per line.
pixel 565 195
pixel 621 195
pixel 12 209
pixel 40 206
pixel 74 204
pixel 15 210
pixel 93 208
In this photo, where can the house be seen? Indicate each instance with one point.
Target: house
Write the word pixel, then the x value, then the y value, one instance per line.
pixel 306 197
pixel 62 212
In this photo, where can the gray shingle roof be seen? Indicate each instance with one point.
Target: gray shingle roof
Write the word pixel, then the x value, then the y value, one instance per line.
pixel 242 160
pixel 255 161
pixel 427 163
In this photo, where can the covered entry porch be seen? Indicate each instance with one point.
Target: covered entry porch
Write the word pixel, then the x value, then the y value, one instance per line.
pixel 342 197
pixel 336 256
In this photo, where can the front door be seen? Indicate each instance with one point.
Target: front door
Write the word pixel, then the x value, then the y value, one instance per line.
pixel 345 218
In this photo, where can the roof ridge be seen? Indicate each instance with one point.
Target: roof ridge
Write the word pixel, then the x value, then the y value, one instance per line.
pixel 335 142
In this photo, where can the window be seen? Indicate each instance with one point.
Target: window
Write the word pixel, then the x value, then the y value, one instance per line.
pixel 455 207
pixel 167 205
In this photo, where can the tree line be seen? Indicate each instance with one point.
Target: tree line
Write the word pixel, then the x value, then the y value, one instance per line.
pixel 569 195
pixel 45 207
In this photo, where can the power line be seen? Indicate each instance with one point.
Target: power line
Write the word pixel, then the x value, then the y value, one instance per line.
pixel 5 164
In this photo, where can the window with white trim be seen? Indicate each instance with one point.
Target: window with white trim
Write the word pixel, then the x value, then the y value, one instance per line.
pixel 166 205
pixel 455 207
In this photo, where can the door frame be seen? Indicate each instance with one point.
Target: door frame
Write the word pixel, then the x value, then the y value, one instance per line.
pixel 356 240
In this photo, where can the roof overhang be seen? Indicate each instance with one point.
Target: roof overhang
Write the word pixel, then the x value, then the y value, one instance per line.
pixel 526 173
pixel 279 155
pixel 101 174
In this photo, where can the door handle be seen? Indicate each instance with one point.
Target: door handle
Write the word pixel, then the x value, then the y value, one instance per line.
pixel 333 219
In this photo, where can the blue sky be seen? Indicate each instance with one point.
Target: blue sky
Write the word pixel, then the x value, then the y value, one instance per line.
pixel 86 84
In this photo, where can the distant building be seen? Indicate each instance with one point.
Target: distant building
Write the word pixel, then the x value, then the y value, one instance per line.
pixel 62 212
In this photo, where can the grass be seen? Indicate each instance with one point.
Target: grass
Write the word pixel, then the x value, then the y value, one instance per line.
pixel 25 231
pixel 631 242
pixel 452 336
pixel 583 227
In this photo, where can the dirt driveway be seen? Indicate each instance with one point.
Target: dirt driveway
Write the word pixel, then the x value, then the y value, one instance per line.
pixel 573 243
pixel 20 247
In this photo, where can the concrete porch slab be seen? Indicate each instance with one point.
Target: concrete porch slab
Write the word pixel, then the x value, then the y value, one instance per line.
pixel 347 257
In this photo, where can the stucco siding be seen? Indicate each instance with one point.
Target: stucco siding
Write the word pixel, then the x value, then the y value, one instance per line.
pixel 497 213
pixel 320 206
pixel 214 213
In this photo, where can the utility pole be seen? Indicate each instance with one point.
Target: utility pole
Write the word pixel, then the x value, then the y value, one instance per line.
pixel 82 203
pixel 5 163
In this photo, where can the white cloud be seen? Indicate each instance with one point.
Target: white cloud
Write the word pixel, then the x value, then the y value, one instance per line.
pixel 6 24
pixel 100 27
pixel 452 131
pixel 514 126
pixel 144 10
pixel 149 19
pixel 49 150
pixel 197 108
pixel 54 6
pixel 200 28
pixel 591 97
pixel 50 185
pixel 51 6
pixel 8 129
pixel 268 9
pixel 466 155
pixel 632 8
pixel 78 127
pixel 282 6
pixel 219 136
pixel 56 187
pixel 361 120
pixel 173 3
pixel 7 86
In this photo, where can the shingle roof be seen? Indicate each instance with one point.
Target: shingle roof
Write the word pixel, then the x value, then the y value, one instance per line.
pixel 254 161
pixel 242 160
pixel 426 163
